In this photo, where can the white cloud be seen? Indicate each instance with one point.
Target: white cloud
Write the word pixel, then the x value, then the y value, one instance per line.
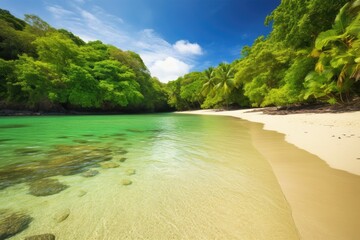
pixel 185 47
pixel 169 68
pixel 58 12
pixel 165 61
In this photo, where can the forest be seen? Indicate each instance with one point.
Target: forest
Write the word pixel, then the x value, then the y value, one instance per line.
pixel 312 55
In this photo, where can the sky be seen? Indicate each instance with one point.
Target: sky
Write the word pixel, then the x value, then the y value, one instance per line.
pixel 173 37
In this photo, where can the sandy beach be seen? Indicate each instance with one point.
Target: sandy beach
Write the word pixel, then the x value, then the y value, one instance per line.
pixel 318 167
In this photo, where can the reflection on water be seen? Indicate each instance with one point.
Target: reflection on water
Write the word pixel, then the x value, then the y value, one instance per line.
pixel 137 177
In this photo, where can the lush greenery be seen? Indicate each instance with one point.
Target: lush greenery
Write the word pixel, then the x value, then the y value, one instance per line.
pixel 311 55
pixel 42 68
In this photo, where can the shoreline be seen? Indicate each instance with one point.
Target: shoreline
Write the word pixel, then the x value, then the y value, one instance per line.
pixel 323 193
pixel 333 137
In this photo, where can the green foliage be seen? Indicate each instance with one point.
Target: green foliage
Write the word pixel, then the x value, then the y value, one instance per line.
pixel 55 69
pixel 57 49
pixel 34 79
pixel 14 22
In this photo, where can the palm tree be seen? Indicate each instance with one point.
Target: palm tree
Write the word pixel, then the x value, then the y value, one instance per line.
pixel 209 81
pixel 338 49
pixel 224 76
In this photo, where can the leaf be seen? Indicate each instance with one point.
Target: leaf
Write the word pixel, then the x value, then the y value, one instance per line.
pixel 325 38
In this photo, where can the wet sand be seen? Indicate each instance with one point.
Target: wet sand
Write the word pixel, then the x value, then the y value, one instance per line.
pixel 324 201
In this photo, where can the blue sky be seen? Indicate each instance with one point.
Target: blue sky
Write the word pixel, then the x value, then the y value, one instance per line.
pixel 173 37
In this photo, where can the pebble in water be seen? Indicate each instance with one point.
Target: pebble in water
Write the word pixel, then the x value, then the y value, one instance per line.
pixel 130 171
pixel 46 187
pixel 81 193
pixel 90 173
pixel 126 182
pixel 109 165
pixel 11 223
pixel 46 236
pixel 62 215
pixel 123 159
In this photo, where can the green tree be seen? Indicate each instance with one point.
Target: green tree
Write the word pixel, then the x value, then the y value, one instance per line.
pixel 224 76
pixel 58 50
pixel 338 52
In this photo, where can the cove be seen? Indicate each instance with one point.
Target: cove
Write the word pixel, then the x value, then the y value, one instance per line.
pixel 163 176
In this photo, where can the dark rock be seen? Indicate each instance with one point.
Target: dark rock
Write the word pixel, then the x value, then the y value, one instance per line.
pixel 88 135
pixel 61 160
pixel 123 159
pixel 45 187
pixel 80 141
pixel 12 223
pixel 27 151
pixel 46 236
pixel 135 130
pixel 14 126
pixel 90 173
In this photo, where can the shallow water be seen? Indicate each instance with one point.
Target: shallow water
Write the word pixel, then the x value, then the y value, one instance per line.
pixel 192 177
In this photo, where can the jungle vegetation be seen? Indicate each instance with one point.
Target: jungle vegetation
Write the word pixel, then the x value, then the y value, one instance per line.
pixel 311 55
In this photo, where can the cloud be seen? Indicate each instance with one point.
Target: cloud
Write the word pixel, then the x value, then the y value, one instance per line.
pixel 58 11
pixel 165 61
pixel 185 47
pixel 169 68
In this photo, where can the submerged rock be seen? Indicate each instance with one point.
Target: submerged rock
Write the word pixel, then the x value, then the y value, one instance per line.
pixel 46 236
pixel 46 187
pixel 14 126
pixel 61 160
pixel 81 193
pixel 90 173
pixel 126 182
pixel 27 151
pixel 123 159
pixel 130 171
pixel 109 165
pixel 62 215
pixel 12 223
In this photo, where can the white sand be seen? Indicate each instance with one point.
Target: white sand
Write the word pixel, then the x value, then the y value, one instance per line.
pixel 334 137
pixel 323 198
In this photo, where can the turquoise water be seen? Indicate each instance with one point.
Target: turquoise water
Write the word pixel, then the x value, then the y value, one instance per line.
pixel 165 176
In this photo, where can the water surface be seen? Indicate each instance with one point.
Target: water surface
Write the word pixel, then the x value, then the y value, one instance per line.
pixel 192 177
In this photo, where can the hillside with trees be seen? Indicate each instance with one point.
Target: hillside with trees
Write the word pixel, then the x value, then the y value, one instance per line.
pixel 48 69
pixel 311 55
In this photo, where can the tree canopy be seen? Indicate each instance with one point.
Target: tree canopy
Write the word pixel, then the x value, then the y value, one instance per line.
pixel 43 68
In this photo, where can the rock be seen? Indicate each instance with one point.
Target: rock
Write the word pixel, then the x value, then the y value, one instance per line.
pixel 27 151
pixel 45 187
pixel 123 159
pixel 46 236
pixel 12 223
pixel 81 193
pixel 126 182
pixel 60 160
pixel 130 171
pixel 90 173
pixel 62 215
pixel 109 165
